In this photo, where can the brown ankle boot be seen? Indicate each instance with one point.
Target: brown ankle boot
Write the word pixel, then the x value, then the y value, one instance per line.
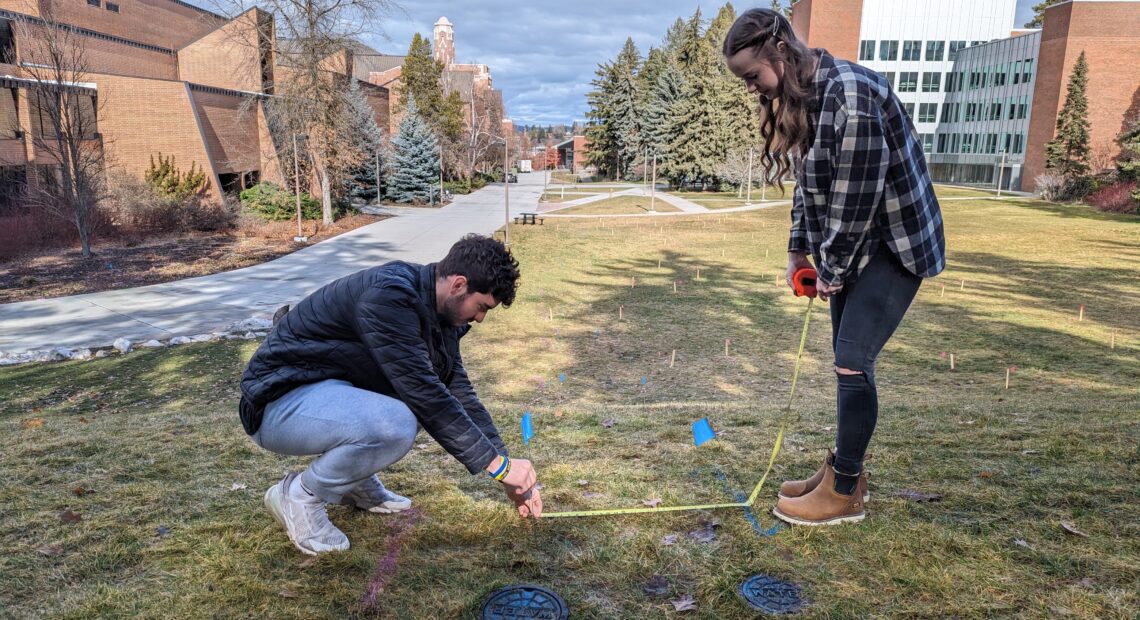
pixel 799 488
pixel 823 505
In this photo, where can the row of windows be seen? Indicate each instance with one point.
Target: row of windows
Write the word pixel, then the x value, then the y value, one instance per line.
pixel 984 143
pixel 1020 72
pixel 913 50
pixel 79 109
pixel 111 6
pixel 7 41
pixel 908 81
pixel 1013 108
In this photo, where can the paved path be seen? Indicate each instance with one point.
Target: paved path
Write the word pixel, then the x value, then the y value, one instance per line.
pixel 686 206
pixel 210 303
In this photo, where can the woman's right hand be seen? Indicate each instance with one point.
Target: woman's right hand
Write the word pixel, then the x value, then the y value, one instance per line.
pixel 796 261
pixel 519 485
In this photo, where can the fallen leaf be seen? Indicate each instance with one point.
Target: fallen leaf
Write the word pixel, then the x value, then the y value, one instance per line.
pixel 1072 529
pixel 685 603
pixel 70 517
pixel 705 535
pixel 652 503
pixel 786 554
pixel 32 423
pixel 287 594
pixel 307 563
pixel 657 586
pixel 50 550
pixel 608 423
pixel 583 483
pixel 79 491
pixel 558 413
pixel 916 496
pixel 83 419
pixel 669 539
pixel 163 531
pixel 237 486
pixel 1021 543
pixel 985 473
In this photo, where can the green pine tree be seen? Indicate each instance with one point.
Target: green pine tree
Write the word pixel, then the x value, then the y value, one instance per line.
pixel 625 109
pixel 415 161
pixel 1128 162
pixel 421 79
pixel 697 119
pixel 738 125
pixel 1039 13
pixel 362 128
pixel 662 96
pixel 602 133
pixel 1067 154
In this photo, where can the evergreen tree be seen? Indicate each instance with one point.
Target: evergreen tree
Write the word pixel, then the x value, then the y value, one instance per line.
pixel 1068 152
pixel 1128 162
pixel 660 99
pixel 369 142
pixel 421 79
pixel 738 125
pixel 625 109
pixel 694 119
pixel 602 133
pixel 673 37
pixel 778 7
pixel 1039 13
pixel 415 161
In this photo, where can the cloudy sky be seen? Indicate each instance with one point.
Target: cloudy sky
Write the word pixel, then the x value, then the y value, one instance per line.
pixel 543 54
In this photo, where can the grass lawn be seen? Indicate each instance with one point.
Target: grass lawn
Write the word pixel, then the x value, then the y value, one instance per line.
pixel 148 451
pixel 948 191
pixel 620 205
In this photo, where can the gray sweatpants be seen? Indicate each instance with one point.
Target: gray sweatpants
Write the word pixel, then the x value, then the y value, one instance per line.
pixel 356 433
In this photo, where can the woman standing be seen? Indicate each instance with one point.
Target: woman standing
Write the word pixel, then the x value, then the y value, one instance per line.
pixel 865 209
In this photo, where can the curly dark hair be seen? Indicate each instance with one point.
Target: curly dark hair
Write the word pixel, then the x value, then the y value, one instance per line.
pixel 486 263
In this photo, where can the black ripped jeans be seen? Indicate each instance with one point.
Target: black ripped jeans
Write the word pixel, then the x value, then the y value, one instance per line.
pixel 864 315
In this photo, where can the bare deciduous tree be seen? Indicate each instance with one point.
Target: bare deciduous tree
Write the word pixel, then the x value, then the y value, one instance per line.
pixel 482 133
pixel 734 169
pixel 64 111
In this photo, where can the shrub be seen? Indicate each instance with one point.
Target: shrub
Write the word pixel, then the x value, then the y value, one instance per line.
pixel 1119 198
pixel 457 187
pixel 166 178
pixel 1049 186
pixel 273 202
pixel 136 206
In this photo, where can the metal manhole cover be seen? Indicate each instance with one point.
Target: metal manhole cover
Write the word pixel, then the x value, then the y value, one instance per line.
pixel 771 595
pixel 525 601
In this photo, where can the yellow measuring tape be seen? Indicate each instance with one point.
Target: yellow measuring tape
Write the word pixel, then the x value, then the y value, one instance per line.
pixel 759 485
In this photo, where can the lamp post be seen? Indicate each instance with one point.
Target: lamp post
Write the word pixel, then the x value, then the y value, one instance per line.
pixel 653 187
pixel 300 238
pixel 506 193
pixel 748 199
pixel 1001 173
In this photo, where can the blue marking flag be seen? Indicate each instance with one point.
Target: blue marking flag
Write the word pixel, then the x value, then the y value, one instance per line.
pixel 527 428
pixel 702 431
pixel 562 378
pixel 643 380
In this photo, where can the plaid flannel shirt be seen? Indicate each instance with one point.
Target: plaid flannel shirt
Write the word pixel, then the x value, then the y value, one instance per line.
pixel 864 180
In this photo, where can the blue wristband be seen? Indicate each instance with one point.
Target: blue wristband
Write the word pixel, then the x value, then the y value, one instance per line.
pixel 502 467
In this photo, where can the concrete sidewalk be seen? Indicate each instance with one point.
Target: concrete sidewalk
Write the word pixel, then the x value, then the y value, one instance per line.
pixel 210 303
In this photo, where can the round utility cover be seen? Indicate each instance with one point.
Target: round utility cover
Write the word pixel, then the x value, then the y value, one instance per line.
pixel 524 601
pixel 771 595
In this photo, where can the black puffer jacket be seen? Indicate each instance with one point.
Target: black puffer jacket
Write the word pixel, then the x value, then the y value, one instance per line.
pixel 377 329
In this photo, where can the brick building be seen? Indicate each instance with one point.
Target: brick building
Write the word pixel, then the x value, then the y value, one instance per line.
pixel 962 69
pixel 163 77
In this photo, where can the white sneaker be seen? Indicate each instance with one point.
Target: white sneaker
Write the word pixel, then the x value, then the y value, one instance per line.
pixel 371 495
pixel 304 517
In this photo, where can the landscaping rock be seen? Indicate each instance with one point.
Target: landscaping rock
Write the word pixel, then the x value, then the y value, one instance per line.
pixel 122 345
pixel 250 324
pixel 152 344
pixel 81 354
pixel 102 353
pixel 180 340
pixel 200 338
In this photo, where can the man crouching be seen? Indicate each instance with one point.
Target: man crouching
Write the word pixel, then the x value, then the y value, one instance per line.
pixel 353 371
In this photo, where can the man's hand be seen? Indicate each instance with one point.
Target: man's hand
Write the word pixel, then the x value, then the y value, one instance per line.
pixel 796 261
pixel 519 486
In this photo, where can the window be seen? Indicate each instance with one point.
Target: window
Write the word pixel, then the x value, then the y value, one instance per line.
pixel 7 42
pixel 81 108
pixel 1023 107
pixel 12 182
pixel 995 110
pixel 950 81
pixel 909 107
pixel 935 50
pixel 1018 143
pixel 912 50
pixel 9 114
pixel 1027 75
pixel 931 82
pixel 908 81
pixel 866 50
pixel 890 75
pixel 971 112
pixel 928 143
pixel 93 2
pixel 927 112
pixel 1007 144
pixel 975 80
pixel 888 50
pixel 112 7
pixel 955 46
pixel 1012 107
pixel 967 143
pixel 43 106
pixel 991 143
pixel 955 143
pixel 1017 72
pixel 943 142
pixel 1000 75
pixel 973 43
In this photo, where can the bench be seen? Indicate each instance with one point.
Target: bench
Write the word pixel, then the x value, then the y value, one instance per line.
pixel 529 218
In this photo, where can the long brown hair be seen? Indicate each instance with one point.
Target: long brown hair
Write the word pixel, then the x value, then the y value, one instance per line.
pixel 785 124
